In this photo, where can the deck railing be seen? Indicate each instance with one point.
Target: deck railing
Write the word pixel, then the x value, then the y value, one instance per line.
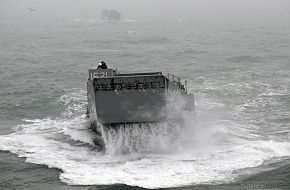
pixel 177 81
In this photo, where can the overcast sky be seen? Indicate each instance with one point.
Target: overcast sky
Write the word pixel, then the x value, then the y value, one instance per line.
pixel 149 9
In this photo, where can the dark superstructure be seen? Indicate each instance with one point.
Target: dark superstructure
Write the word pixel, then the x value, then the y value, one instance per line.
pixel 115 98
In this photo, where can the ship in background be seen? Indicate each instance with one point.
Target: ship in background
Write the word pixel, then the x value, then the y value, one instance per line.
pixel 111 16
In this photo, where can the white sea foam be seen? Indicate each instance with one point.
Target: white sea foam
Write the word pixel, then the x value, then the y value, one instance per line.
pixel 208 154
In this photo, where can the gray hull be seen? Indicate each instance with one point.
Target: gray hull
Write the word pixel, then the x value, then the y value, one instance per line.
pixel 115 99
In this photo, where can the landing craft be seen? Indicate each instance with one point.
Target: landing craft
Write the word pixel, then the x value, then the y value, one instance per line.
pixel 116 99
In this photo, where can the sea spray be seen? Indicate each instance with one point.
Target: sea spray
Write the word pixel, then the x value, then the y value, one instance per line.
pixel 139 138
pixel 157 137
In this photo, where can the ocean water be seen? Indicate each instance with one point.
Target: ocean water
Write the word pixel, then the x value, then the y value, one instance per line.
pixel 239 73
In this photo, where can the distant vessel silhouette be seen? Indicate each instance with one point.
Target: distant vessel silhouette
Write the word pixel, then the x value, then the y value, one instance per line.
pixel 111 16
pixel 31 9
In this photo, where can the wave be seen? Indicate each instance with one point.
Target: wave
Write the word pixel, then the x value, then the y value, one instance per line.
pixel 209 152
pixel 245 59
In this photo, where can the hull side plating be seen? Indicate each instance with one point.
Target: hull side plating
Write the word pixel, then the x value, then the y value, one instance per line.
pixel 120 99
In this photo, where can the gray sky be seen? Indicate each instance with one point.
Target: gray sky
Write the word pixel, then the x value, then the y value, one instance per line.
pixel 150 9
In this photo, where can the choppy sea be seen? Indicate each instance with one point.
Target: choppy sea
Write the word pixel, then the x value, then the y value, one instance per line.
pixel 239 73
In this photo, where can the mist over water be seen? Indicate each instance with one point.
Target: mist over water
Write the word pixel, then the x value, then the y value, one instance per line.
pixel 235 57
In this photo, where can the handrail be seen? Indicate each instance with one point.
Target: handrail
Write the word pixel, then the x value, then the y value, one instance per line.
pixel 177 80
pixel 133 74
